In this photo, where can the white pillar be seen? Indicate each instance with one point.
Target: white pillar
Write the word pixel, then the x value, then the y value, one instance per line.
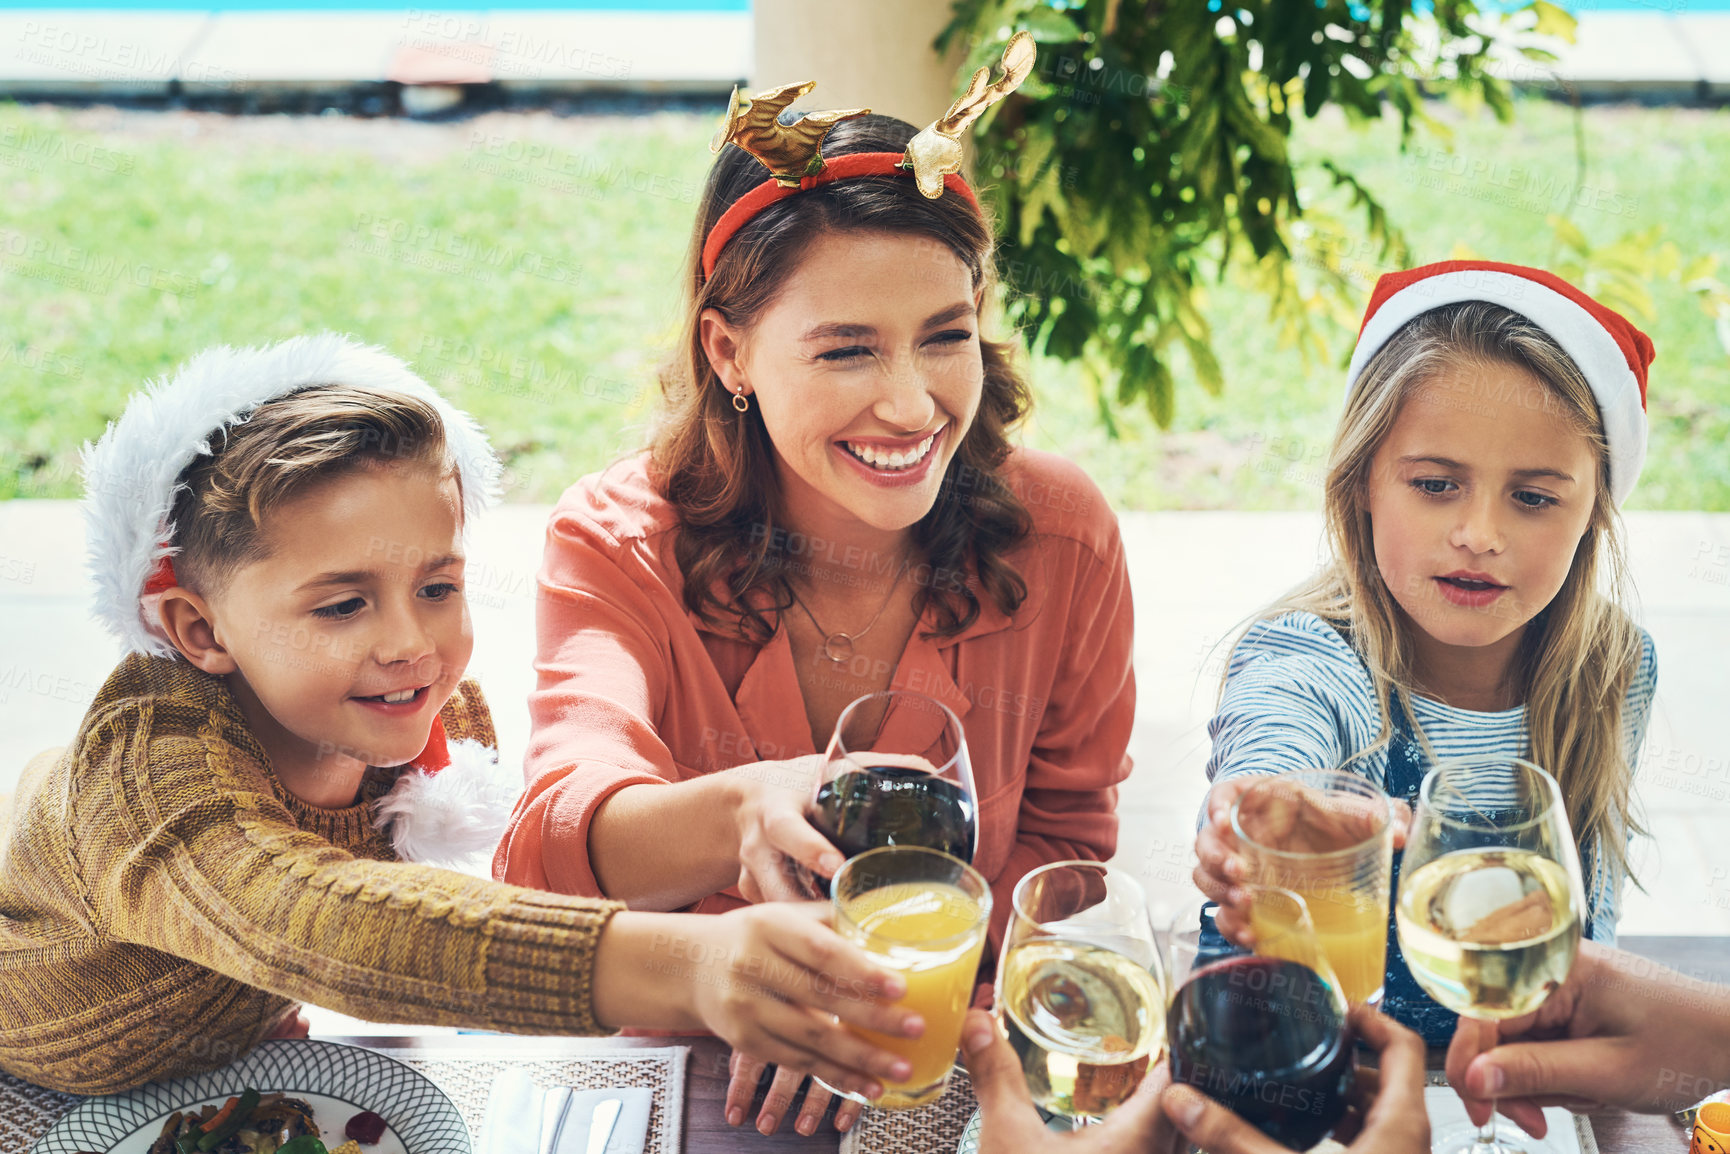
pixel 872 54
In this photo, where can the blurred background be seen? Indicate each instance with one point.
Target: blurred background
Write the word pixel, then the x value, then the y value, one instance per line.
pixel 1195 199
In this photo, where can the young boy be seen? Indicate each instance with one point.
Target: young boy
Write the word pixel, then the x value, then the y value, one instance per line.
pixel 277 537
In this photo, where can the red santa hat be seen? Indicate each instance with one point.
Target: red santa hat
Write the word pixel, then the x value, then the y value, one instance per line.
pixel 1613 355
pixel 132 476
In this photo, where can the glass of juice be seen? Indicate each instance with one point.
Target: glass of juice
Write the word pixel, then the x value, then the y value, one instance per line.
pixel 1263 1033
pixel 1327 836
pixel 1079 989
pixel 1490 904
pixel 923 913
pixel 896 773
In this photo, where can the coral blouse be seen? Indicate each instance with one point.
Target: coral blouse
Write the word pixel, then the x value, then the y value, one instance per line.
pixel 633 688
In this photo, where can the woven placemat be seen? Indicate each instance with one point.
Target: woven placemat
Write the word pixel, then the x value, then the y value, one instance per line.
pixel 26 1112
pixel 467 1077
pixel 465 1074
pixel 933 1129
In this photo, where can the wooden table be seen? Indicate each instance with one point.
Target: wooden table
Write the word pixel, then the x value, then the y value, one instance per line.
pixel 706 1130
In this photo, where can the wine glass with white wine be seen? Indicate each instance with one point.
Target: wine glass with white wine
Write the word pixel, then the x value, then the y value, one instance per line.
pixel 1489 904
pixel 1079 987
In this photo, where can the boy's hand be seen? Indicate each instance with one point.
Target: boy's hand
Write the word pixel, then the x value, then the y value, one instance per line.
pixel 779 980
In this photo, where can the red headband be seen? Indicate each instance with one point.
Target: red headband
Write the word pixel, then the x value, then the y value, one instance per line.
pixel 852 165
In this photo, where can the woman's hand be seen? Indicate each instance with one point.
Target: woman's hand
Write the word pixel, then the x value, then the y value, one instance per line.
pixel 772 980
pixel 1391 1118
pixel 769 801
pixel 746 1073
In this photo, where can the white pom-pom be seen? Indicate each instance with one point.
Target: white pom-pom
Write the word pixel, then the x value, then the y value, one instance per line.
pixel 454 818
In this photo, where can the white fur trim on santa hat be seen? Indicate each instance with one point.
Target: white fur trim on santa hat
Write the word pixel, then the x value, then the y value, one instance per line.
pixel 1580 334
pixel 456 817
pixel 130 475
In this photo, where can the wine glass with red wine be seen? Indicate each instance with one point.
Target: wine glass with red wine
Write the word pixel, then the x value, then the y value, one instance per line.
pixel 897 774
pixel 1263 1033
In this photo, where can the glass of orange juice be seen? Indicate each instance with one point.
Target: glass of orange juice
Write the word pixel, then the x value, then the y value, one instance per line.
pixel 1328 836
pixel 923 914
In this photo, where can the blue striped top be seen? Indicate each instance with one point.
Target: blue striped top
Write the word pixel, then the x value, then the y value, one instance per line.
pixel 1298 696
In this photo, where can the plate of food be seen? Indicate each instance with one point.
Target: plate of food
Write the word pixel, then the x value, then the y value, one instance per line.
pixel 292 1096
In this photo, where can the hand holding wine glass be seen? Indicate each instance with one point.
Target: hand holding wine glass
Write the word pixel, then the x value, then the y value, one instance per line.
pixel 1615 1033
pixel 775 840
pixel 1388 1103
pixel 1264 1034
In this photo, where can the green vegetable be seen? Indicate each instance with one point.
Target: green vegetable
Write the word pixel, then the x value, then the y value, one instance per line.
pixel 305 1144
pixel 243 1111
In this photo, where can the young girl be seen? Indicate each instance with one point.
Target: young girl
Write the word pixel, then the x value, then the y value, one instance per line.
pixel 1494 422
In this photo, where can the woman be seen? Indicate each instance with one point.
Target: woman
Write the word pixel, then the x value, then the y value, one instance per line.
pixel 830 507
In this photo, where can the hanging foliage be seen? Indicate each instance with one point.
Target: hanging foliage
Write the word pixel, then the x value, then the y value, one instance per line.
pixel 1149 151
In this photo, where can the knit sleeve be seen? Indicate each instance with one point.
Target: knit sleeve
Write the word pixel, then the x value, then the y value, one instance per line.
pixel 1296 697
pixel 199 859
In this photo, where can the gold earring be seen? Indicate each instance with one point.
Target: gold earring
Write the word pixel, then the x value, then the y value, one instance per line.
pixel 740 403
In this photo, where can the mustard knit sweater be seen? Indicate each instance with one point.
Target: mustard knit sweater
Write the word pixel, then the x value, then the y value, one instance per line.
pixel 164 903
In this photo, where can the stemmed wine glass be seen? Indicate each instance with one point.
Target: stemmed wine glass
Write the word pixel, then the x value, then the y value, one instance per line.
pixel 1079 989
pixel 897 773
pixel 1488 912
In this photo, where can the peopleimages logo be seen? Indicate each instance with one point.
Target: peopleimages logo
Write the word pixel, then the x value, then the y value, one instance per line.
pixel 1226 1085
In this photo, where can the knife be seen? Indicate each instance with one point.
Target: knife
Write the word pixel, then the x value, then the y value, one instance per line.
pixel 513 1120
pixel 601 1123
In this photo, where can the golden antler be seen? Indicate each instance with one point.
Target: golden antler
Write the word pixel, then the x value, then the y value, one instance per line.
pixel 936 151
pixel 788 150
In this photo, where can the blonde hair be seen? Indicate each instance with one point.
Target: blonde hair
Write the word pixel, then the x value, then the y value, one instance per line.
pixel 1578 654
pixel 275 453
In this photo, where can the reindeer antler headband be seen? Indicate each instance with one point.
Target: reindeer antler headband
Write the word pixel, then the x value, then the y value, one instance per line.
pixel 793 153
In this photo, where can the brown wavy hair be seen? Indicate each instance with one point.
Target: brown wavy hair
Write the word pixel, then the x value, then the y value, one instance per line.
pixel 717 466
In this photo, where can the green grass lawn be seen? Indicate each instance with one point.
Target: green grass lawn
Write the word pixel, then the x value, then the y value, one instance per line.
pixel 527 264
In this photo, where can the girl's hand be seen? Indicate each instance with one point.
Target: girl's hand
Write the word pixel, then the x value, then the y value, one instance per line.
pixel 1298 819
pixel 769 800
pixel 1220 871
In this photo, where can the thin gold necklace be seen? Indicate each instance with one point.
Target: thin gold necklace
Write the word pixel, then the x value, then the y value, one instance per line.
pixel 838 646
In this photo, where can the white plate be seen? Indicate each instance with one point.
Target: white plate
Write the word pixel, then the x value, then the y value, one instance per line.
pixel 337 1081
pixel 970 1136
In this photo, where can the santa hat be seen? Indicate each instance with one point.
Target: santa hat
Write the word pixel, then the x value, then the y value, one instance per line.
pixel 131 479
pixel 1607 348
